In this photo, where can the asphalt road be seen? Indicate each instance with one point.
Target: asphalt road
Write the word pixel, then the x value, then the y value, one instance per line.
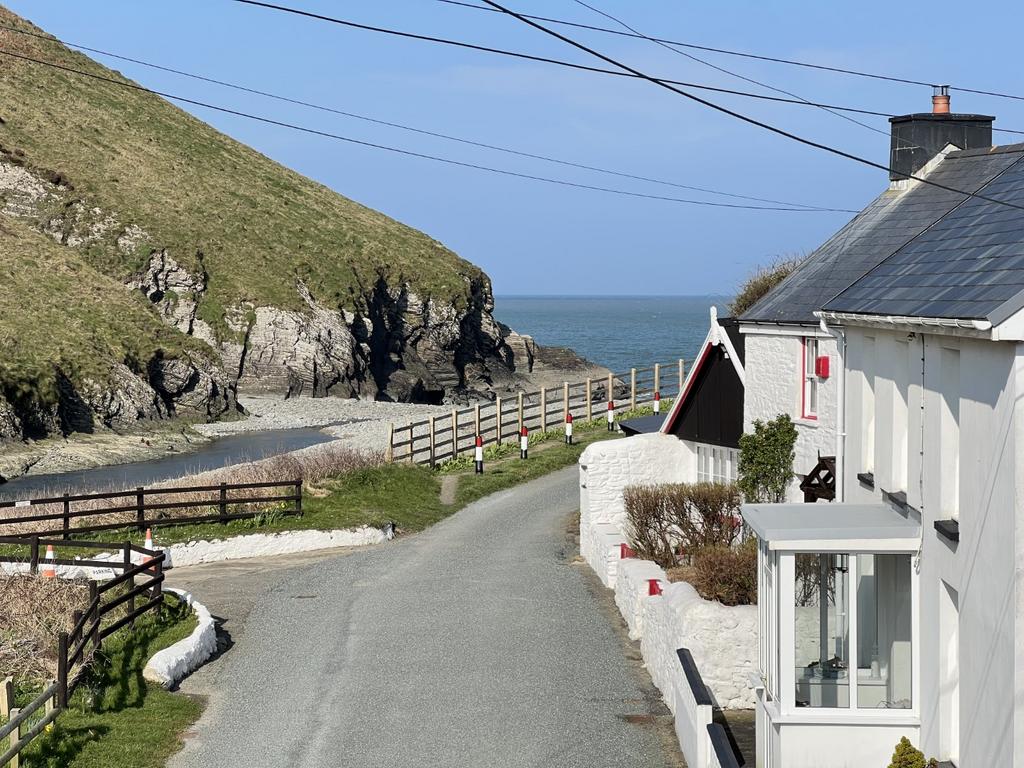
pixel 482 642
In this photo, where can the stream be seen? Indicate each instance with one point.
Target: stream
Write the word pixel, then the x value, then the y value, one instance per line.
pixel 221 452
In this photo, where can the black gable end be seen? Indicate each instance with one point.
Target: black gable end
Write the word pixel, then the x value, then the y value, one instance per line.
pixel 713 410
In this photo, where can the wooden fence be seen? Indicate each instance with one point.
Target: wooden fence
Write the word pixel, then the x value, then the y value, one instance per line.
pixel 438 438
pixel 144 508
pixel 89 629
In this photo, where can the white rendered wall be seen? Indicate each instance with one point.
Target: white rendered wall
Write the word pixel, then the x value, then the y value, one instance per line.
pixel 773 364
pixel 985 567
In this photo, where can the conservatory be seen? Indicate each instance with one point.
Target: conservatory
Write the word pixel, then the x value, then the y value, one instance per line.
pixel 839 679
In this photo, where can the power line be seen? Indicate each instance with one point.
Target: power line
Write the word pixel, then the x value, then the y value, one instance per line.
pixel 406 152
pixel 413 129
pixel 738 115
pixel 743 54
pixel 679 51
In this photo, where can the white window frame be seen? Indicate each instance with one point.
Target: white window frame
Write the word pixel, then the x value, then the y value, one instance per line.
pixel 809 378
pixel 716 463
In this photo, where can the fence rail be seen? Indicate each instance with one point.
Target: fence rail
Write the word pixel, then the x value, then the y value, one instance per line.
pixel 90 628
pixel 226 501
pixel 439 438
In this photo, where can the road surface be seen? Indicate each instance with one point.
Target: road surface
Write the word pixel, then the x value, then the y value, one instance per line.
pixel 482 642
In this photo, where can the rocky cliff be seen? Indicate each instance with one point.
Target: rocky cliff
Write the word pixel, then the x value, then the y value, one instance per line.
pixel 209 270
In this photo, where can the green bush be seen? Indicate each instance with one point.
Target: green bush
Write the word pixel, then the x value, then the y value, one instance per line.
pixel 906 755
pixel 727 574
pixel 766 460
pixel 761 281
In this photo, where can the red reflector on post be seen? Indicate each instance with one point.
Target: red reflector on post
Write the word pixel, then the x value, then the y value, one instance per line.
pixel 653 587
pixel 625 551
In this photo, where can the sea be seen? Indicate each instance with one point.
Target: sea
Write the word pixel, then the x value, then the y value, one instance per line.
pixel 618 332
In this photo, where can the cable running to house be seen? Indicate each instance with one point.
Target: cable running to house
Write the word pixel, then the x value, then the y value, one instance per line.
pixel 739 115
pixel 407 152
pixel 413 129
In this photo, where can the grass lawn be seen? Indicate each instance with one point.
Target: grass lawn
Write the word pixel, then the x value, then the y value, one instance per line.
pixel 116 719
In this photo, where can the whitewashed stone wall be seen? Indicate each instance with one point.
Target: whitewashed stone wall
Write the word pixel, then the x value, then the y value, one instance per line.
pixel 605 470
pixel 773 380
pixel 722 639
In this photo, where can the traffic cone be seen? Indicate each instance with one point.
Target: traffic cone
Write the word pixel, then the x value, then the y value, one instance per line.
pixel 479 455
pixel 148 544
pixel 611 415
pixel 657 403
pixel 568 429
pixel 49 570
pixel 524 442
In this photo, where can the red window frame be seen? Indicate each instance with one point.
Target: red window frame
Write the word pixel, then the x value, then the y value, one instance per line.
pixel 809 379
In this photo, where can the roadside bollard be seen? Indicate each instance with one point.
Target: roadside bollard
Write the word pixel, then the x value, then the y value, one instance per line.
pixel 524 443
pixel 657 402
pixel 568 429
pixel 479 455
pixel 611 415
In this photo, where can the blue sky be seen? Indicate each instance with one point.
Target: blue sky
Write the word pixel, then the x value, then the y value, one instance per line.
pixel 534 238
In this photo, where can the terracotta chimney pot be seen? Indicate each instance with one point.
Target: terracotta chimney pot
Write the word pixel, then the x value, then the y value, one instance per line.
pixel 940 100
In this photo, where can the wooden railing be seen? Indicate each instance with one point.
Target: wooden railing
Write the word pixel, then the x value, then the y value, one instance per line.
pixel 143 508
pixel 439 438
pixel 90 627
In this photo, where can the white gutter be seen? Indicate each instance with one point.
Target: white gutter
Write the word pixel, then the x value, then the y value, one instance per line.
pixel 928 322
pixel 840 338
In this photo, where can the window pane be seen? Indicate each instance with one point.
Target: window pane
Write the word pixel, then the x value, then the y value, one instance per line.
pixel 884 643
pixel 821 631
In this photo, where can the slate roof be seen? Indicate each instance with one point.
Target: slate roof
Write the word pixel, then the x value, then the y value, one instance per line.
pixel 889 222
pixel 968 265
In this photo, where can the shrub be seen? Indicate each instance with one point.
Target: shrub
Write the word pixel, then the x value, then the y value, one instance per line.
pixel 727 574
pixel 647 523
pixel 906 755
pixel 704 514
pixel 762 280
pixel 766 460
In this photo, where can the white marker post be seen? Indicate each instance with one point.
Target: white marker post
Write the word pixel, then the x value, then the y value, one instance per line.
pixel 524 442
pixel 657 402
pixel 479 455
pixel 568 429
pixel 611 415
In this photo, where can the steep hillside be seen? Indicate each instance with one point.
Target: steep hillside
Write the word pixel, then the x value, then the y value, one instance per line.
pixel 296 288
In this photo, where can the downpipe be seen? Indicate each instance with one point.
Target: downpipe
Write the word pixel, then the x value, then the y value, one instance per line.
pixel 840 337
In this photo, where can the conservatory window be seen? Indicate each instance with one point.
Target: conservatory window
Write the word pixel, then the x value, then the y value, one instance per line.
pixel 884 632
pixel 821 631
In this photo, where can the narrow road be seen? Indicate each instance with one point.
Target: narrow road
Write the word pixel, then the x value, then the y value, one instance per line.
pixel 478 643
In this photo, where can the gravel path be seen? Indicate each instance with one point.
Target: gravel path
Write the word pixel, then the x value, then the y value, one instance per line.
pixel 480 642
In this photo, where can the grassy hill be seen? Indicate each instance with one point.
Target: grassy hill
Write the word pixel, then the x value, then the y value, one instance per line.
pixel 215 204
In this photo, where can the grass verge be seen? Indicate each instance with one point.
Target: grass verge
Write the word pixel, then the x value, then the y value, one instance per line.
pixel 116 719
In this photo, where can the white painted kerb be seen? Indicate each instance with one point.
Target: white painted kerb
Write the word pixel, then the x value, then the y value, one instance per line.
pixel 174 663
pixel 267 544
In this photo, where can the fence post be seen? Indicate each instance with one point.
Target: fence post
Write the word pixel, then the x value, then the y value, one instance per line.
pixel 455 433
pixel 543 409
pixel 497 419
pixel 476 419
pixel 94 604
pixel 298 497
pixel 15 738
pixel 520 412
pixel 67 516
pixel 565 400
pixel 632 389
pixel 433 441
pixel 681 377
pixel 140 508
pixel 33 557
pixel 158 588
pixel 412 444
pixel 131 579
pixel 391 443
pixel 610 389
pixel 657 377
pixel 6 695
pixel 62 670
pixel 223 504
pixel 590 405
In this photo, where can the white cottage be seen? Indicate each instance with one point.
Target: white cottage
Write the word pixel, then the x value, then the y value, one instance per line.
pixel 899 609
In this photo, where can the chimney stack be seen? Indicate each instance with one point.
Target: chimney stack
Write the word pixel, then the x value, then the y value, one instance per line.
pixel 919 137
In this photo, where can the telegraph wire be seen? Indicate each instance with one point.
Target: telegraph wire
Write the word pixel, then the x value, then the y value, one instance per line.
pixel 413 129
pixel 733 113
pixel 406 152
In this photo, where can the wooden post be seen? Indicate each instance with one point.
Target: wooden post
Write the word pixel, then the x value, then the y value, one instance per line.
pixel 223 505
pixel 433 441
pixel 590 405
pixel 391 443
pixel 497 419
pixel 412 443
pixel 298 496
pixel 682 378
pixel 520 430
pixel 565 400
pixel 543 409
pixel 455 433
pixel 33 555
pixel 67 516
pixel 15 737
pixel 632 389
pixel 62 670
pixel 140 508
pixel 657 378
pixel 609 389
pixel 476 416
pixel 6 695
pixel 95 618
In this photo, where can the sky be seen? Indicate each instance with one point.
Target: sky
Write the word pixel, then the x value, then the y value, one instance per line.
pixel 538 238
